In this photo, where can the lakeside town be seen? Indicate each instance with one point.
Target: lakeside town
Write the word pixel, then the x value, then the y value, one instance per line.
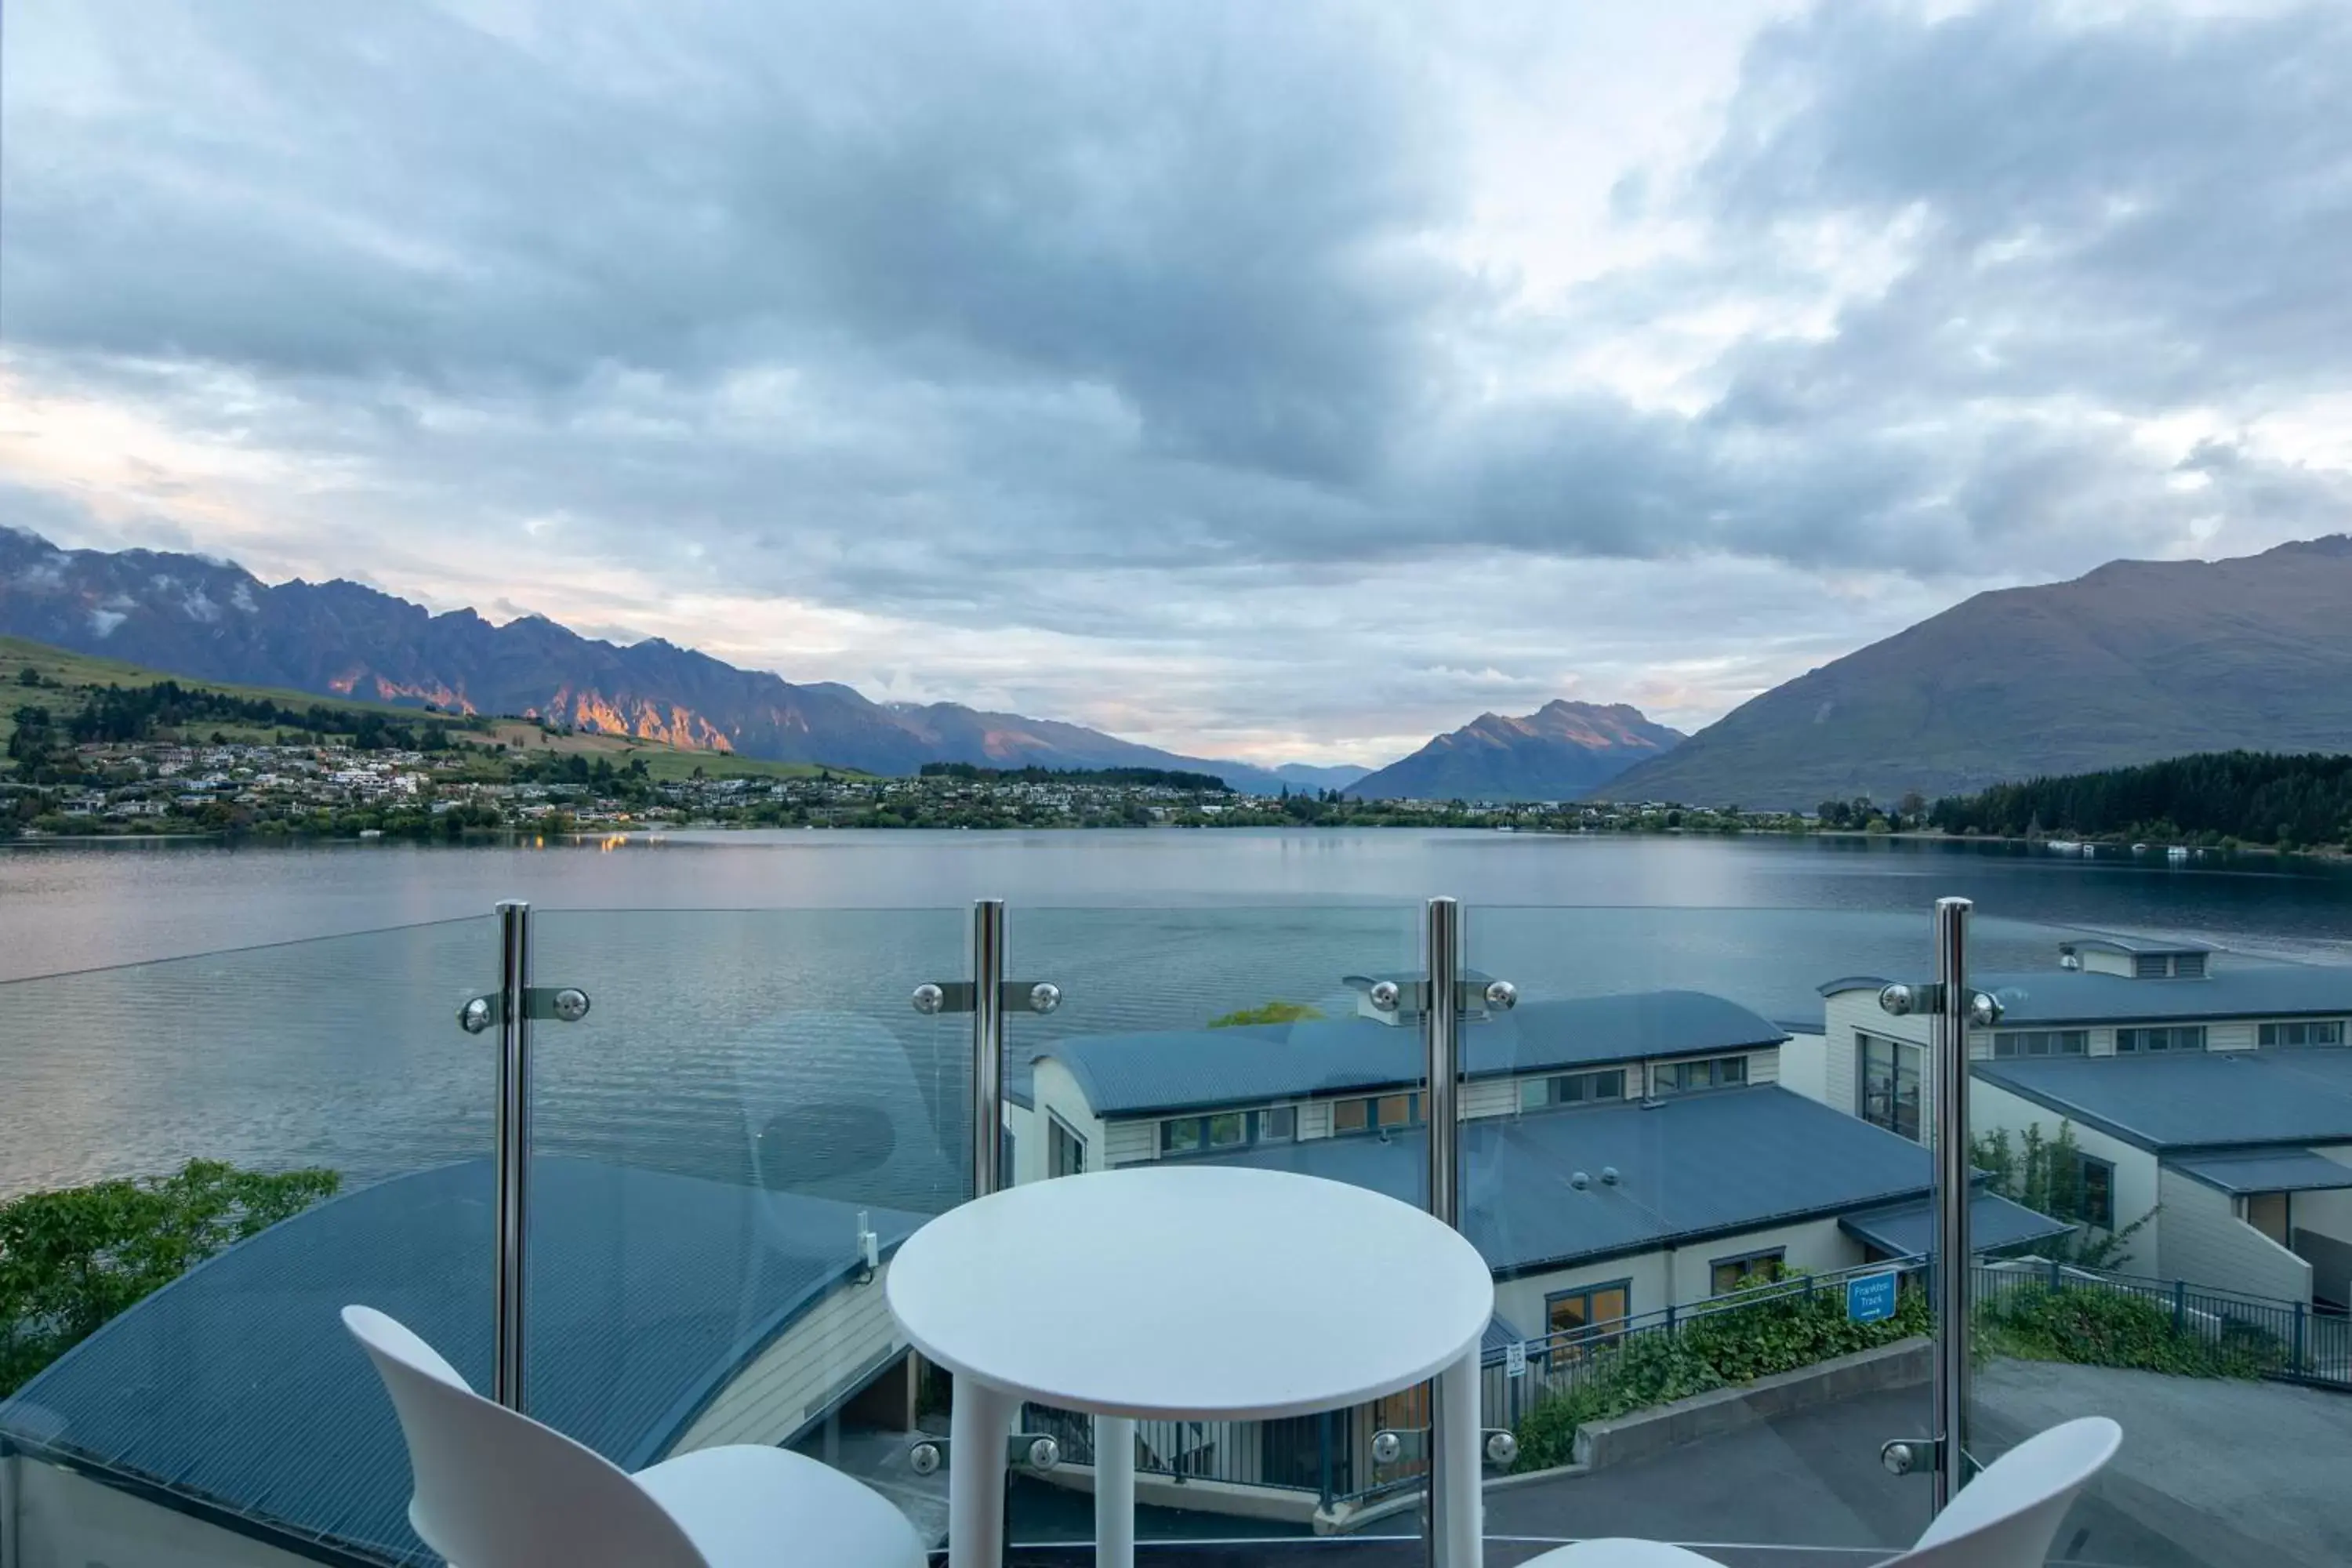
pixel 450 787
pixel 332 789
pixel 86 760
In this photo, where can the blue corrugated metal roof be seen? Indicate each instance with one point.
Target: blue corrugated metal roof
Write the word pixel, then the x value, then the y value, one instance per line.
pixel 237 1385
pixel 1690 1167
pixel 1908 1230
pixel 2112 943
pixel 2268 1171
pixel 1126 1075
pixel 2193 1099
pixel 2046 996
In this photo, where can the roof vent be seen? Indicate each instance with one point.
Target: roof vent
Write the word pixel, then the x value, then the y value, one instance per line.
pixel 1609 1177
pixel 1580 1181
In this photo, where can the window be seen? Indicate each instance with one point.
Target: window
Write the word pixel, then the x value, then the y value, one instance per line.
pixel 2318 1032
pixel 2188 966
pixel 1724 1273
pixel 1572 1088
pixel 1890 1084
pixel 1382 1112
pixel 1228 1130
pixel 2094 1193
pixel 2150 966
pixel 1065 1152
pixel 2042 1043
pixel 1587 1318
pixel 1715 1072
pixel 2178 1038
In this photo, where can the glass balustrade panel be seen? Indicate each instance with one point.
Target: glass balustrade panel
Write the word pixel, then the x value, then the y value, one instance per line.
pixel 2183 1103
pixel 1260 1037
pixel 1698 1158
pixel 202 1161
pixel 731 1144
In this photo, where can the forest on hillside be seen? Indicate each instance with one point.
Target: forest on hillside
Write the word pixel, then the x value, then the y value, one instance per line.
pixel 2253 798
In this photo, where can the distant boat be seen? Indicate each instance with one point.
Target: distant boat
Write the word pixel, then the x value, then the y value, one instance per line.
pixel 2177 852
pixel 2139 848
pixel 2065 846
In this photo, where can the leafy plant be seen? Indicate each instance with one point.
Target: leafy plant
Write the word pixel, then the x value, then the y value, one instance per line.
pixel 1766 1327
pixel 1646 1369
pixel 73 1258
pixel 2097 1326
pixel 2045 1175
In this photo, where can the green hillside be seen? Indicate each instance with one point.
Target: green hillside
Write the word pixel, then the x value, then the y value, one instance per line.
pixel 65 682
pixel 2131 664
pixel 67 679
pixel 2245 795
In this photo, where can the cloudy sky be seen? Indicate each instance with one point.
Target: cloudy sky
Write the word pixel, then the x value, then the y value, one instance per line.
pixel 1280 380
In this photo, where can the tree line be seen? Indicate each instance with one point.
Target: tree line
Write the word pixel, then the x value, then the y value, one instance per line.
pixel 1136 778
pixel 2255 798
pixel 116 714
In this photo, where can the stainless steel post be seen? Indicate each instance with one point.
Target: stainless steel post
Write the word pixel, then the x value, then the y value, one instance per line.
pixel 1441 1025
pixel 987 1046
pixel 1948 1045
pixel 1442 1032
pixel 513 1135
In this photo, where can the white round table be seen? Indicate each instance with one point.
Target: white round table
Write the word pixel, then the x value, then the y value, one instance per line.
pixel 1190 1292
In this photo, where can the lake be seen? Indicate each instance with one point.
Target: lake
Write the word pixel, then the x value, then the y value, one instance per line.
pixel 297 1005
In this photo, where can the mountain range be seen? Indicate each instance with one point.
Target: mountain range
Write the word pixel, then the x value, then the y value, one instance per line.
pixel 1559 753
pixel 215 620
pixel 2135 662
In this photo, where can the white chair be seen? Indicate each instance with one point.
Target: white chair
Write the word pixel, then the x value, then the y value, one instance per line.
pixel 497 1489
pixel 2006 1517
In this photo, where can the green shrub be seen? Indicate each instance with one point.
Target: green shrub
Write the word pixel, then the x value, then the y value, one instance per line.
pixel 2094 1327
pixel 1645 1370
pixel 1780 1327
pixel 72 1258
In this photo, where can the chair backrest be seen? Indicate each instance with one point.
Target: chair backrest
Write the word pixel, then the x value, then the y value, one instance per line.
pixel 497 1489
pixel 2009 1515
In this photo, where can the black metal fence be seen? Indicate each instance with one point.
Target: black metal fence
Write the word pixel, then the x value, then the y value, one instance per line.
pixel 2286 1340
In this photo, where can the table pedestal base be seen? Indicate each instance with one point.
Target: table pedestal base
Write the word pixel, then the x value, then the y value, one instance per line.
pixel 977 1428
pixel 1114 1492
pixel 1459 1518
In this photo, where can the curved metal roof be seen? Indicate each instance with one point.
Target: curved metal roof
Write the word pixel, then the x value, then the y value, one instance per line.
pixel 2047 996
pixel 237 1387
pixel 2193 1099
pixel 1717 1163
pixel 1131 1075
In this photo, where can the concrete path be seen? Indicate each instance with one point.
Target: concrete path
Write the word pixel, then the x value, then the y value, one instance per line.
pixel 2212 1475
pixel 2235 1475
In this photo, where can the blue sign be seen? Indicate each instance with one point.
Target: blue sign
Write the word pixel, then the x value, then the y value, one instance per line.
pixel 1870 1297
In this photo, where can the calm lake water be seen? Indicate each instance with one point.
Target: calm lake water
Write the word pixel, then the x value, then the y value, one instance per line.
pixel 287 1005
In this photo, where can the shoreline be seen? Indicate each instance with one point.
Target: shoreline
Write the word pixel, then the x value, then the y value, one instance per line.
pixel 617 836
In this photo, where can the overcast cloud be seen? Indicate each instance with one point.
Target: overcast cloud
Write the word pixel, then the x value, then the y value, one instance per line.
pixel 1273 381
